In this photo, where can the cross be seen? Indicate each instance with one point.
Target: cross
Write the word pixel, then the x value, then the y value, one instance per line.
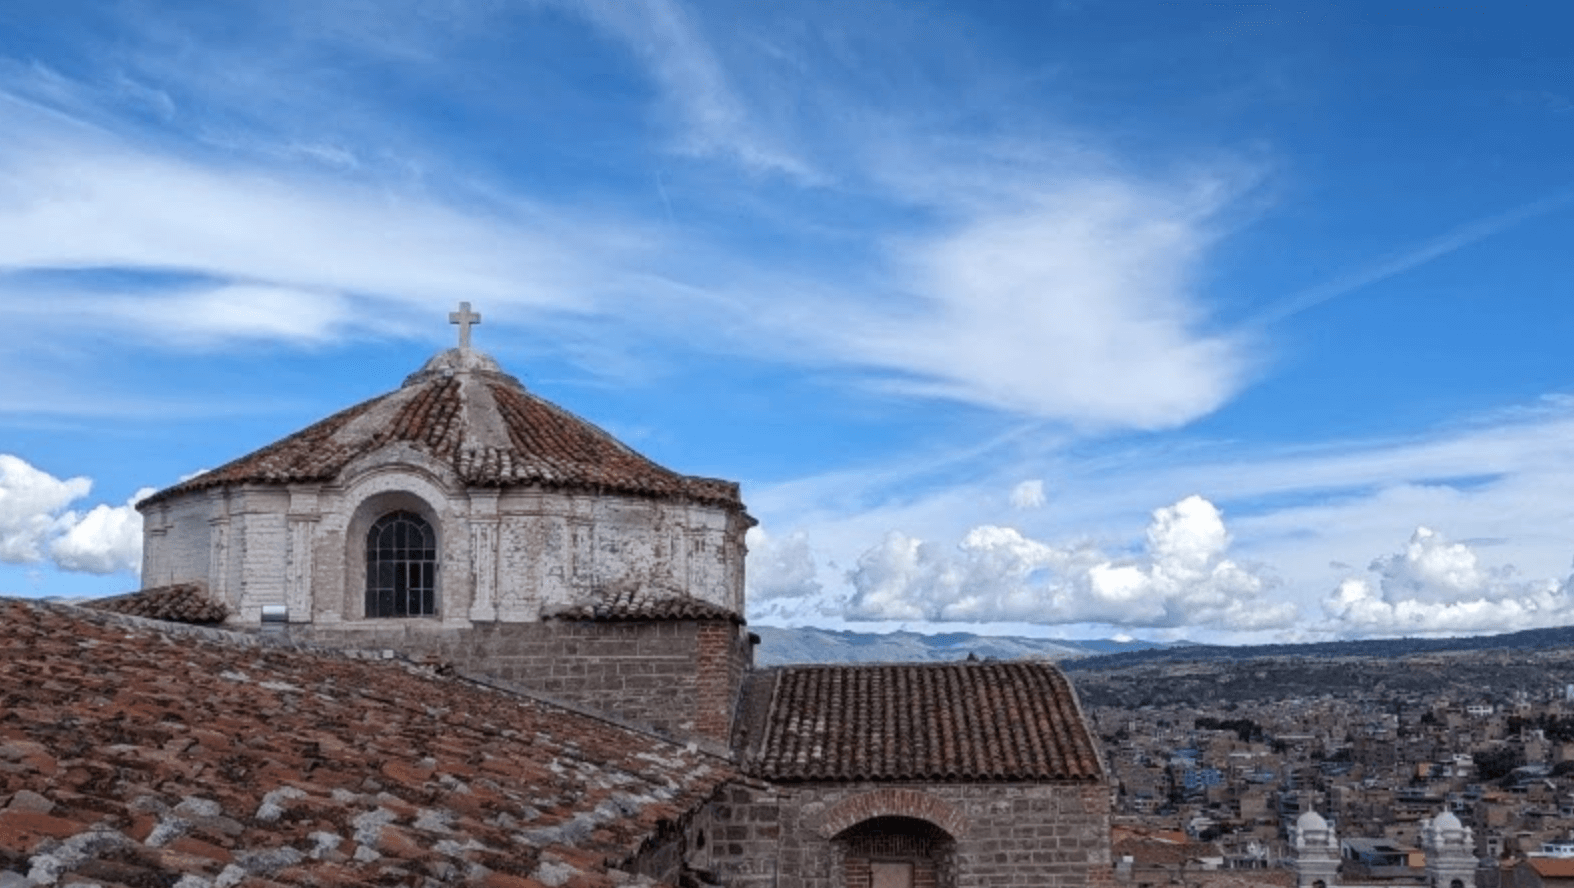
pixel 464 317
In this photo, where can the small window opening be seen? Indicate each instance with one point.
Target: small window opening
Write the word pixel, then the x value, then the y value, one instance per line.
pixel 401 567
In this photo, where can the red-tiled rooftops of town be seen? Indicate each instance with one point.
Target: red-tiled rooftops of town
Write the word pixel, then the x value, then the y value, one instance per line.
pixel 135 753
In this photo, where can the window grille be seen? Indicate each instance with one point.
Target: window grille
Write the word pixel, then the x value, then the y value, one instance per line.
pixel 401 567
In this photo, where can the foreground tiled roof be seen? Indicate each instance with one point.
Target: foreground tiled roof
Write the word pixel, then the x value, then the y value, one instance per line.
pixel 180 603
pixel 644 603
pixel 940 721
pixel 465 412
pixel 134 753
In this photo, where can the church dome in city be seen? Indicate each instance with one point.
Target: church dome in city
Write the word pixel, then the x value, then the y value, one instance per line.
pixel 1310 821
pixel 457 499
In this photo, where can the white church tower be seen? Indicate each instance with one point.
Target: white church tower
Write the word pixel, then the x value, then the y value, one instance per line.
pixel 1450 850
pixel 1315 852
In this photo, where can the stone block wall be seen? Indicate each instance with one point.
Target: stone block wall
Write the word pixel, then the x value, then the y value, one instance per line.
pixel 678 677
pixel 1006 834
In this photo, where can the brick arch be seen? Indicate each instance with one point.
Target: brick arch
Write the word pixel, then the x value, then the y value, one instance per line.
pixel 856 809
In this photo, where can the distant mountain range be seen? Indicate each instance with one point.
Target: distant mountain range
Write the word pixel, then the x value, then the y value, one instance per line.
pixel 785 646
pixel 780 647
pixel 1536 662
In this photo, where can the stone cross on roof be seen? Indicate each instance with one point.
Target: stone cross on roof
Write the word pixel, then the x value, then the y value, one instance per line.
pixel 464 317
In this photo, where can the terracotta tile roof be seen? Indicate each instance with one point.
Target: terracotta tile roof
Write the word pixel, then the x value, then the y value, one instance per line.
pixel 931 721
pixel 481 422
pixel 644 603
pixel 1552 867
pixel 181 603
pixel 136 753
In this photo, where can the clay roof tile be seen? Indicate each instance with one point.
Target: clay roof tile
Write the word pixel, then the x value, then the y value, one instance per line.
pixel 929 721
pixel 463 411
pixel 138 752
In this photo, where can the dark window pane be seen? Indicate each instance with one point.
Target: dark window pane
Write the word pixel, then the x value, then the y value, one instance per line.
pixel 401 566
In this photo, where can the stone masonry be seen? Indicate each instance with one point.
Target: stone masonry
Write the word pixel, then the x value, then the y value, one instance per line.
pixel 786 836
pixel 677 677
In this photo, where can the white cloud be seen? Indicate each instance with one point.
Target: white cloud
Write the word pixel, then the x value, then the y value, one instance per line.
pixel 780 567
pixel 715 120
pixel 33 508
pixel 281 252
pixel 1075 303
pixel 1307 511
pixel 1436 586
pixel 995 573
pixel 1028 494
pixel 235 312
pixel 35 518
pixel 105 540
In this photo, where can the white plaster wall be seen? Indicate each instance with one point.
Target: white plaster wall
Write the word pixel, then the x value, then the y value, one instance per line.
pixel 503 555
pixel 258 524
pixel 176 538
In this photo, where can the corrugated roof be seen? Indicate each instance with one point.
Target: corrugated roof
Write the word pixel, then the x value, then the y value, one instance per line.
pixel 135 753
pixel 930 721
pixel 463 411
pixel 180 603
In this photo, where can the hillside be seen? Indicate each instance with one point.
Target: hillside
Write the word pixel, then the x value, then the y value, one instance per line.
pixel 1535 662
pixel 781 647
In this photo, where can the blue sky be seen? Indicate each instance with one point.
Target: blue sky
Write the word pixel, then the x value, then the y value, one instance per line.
pixel 1222 321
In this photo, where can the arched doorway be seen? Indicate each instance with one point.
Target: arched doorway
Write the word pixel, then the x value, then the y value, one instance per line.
pixel 896 852
pixel 401 566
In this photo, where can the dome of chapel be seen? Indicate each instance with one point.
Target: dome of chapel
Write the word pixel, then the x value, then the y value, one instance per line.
pixel 464 411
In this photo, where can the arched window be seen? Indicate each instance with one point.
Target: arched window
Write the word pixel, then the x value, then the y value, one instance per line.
pixel 401 567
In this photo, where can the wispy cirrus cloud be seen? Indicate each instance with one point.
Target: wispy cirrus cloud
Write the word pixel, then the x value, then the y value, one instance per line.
pixel 1408 260
pixel 712 119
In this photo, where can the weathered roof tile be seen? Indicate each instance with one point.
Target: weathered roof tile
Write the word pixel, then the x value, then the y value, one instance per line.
pixel 481 422
pixel 930 721
pixel 642 603
pixel 156 750
pixel 180 603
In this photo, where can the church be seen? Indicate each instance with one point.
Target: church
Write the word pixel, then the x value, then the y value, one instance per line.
pixel 463 520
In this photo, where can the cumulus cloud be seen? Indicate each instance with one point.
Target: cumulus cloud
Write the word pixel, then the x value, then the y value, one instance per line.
pixel 780 568
pixel 1434 585
pixel 105 540
pixel 33 508
pixel 1181 577
pixel 35 518
pixel 1028 494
